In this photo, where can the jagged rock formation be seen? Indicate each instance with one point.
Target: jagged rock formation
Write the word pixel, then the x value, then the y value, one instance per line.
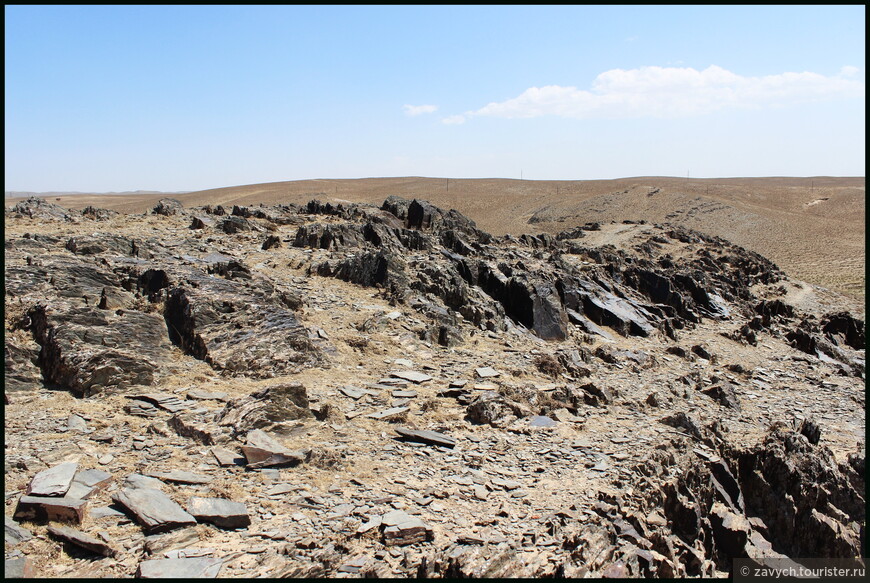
pixel 389 391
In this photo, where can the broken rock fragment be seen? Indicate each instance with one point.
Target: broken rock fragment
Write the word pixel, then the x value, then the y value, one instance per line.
pixel 410 375
pixel 45 508
pixel 263 451
pixel 81 539
pixel 193 568
pixel 53 481
pixel 404 529
pixel 266 409
pixel 426 436
pixel 88 482
pixel 180 477
pixel 15 533
pixel 219 511
pixel 153 509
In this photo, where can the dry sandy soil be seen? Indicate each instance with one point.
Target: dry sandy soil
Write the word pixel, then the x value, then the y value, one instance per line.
pixel 813 228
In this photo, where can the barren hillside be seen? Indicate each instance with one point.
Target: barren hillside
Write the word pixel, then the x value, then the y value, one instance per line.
pixel 388 390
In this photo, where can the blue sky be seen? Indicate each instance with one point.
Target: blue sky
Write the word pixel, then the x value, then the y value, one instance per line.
pixel 114 98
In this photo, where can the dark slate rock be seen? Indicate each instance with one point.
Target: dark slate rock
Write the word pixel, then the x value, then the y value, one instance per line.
pixel 86 483
pixel 140 481
pixel 410 375
pixel 238 328
pixel 194 568
pixel 227 458
pixel 388 414
pixel 43 509
pixel 542 421
pixel 220 512
pixel 404 529
pixel 88 349
pixel 724 394
pixel 266 409
pixel 167 207
pixel 165 401
pixel 53 481
pixel 262 451
pixel 38 208
pixel 15 533
pixel 19 568
pixel 426 436
pixel 153 509
pixel 81 539
pixel 21 372
pixel 180 477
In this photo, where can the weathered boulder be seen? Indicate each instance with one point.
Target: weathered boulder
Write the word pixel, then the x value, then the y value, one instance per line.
pixel 234 224
pixel 237 328
pixel 87 350
pixel 266 409
pixel 167 207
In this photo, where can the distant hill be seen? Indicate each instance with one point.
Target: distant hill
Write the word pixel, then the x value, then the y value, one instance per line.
pixel 26 194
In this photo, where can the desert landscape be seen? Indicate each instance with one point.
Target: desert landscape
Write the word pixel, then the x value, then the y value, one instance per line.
pixel 813 227
pixel 431 377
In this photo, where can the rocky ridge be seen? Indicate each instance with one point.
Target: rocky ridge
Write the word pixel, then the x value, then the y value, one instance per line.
pixel 390 391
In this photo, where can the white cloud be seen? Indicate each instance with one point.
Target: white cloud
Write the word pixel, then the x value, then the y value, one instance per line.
pixel 419 109
pixel 669 92
pixel 454 119
pixel 849 71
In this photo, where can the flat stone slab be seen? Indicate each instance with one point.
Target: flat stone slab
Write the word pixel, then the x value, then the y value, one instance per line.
pixel 86 483
pixel 53 481
pixel 219 511
pixel 45 508
pixel 153 509
pixel 76 423
pixel 15 533
pixel 188 568
pixel 353 392
pixel 263 451
pixel 486 372
pixel 141 408
pixel 404 529
pixel 18 568
pixel 226 458
pixel 105 512
pixel 166 401
pixel 82 540
pixel 410 375
pixel 201 395
pixel 402 394
pixel 426 436
pixel 542 421
pixel 506 484
pixel 140 481
pixel 180 477
pixel 387 413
